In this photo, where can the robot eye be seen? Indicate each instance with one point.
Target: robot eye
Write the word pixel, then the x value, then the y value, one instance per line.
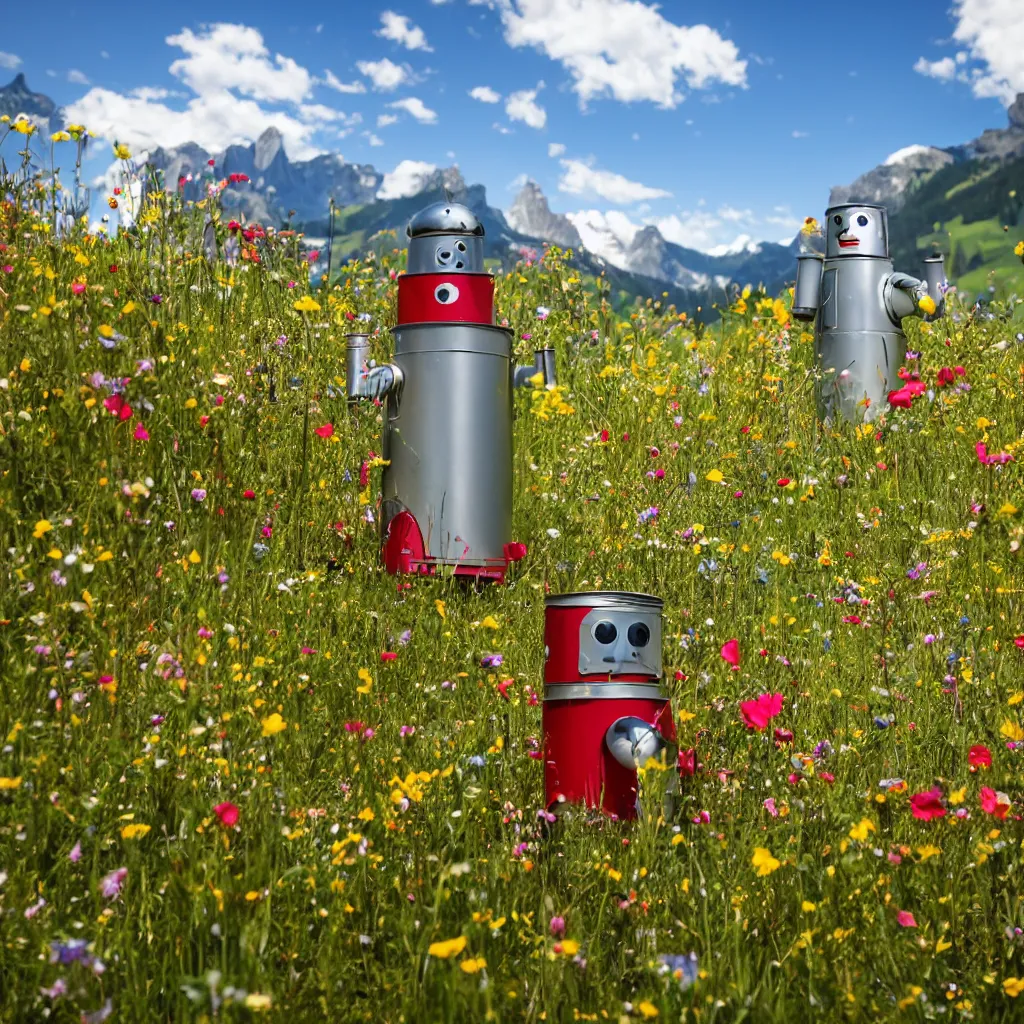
pixel 446 294
pixel 605 632
pixel 862 220
pixel 639 635
pixel 461 246
pixel 837 219
pixel 443 257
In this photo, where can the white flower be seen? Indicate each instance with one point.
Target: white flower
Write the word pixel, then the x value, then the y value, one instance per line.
pixel 554 534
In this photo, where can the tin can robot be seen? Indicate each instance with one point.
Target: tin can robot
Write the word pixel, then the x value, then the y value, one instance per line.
pixel 447 482
pixel 605 712
pixel 859 303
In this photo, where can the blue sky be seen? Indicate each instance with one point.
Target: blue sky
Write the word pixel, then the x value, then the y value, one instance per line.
pixel 712 120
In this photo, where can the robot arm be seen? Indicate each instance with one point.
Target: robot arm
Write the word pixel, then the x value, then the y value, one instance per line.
pixel 381 380
pixel 903 294
pixel 807 290
pixel 543 364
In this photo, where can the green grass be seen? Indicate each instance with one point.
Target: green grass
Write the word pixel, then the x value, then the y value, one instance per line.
pixel 149 633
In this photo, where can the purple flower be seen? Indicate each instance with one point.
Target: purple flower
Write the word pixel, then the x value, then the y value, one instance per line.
pixel 407 730
pixel 198 494
pixel 69 952
pixel 31 912
pixel 915 573
pixel 75 855
pixel 56 990
pixel 492 660
pixel 110 885
pixel 557 925
pixel 929 638
pixel 156 299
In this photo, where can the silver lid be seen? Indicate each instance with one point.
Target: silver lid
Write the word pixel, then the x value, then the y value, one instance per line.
pixel 854 206
pixel 444 219
pixel 604 599
pixel 810 256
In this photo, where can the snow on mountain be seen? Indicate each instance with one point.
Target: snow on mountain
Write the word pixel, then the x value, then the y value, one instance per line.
pixel 742 243
pixel 608 235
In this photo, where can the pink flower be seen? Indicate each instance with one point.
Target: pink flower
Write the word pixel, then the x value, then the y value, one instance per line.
pixel 902 398
pixel 991 460
pixel 769 806
pixel 503 687
pixel 979 757
pixel 75 854
pixel 906 919
pixel 731 652
pixel 141 433
pixel 557 927
pixel 928 805
pixel 326 431
pixel 110 885
pixel 249 495
pixel 77 288
pixel 117 406
pixel 228 814
pixel 994 802
pixel 758 713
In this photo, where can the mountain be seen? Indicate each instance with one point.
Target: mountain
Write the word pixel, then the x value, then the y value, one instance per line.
pixel 531 215
pixel 16 98
pixel 892 182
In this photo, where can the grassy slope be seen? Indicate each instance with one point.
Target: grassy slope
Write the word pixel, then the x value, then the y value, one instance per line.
pixel 164 594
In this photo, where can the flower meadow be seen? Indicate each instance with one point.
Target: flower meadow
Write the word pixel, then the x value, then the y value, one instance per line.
pixel 245 773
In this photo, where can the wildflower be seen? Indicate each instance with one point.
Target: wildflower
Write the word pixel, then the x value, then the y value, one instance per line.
pixel 994 802
pixel 758 713
pixel 228 814
pixel 307 304
pixel 557 926
pixel 764 861
pixel 141 433
pixel 75 853
pixel 134 831
pixel 326 431
pixel 730 652
pixel 683 967
pixel 447 948
pixel 273 724
pixel 121 151
pixel 472 965
pixel 1014 986
pixel 860 831
pixel 928 805
pixel 905 919
pixel 979 756
pixel 110 884
pixel 198 494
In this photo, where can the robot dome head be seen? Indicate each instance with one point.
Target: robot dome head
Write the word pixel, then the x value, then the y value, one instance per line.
pixel 856 229
pixel 446 238
pixel 603 634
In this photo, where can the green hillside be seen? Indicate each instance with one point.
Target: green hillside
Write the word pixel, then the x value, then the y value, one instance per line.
pixel 973 212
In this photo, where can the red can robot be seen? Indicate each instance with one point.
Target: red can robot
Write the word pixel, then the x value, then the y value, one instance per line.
pixel 605 713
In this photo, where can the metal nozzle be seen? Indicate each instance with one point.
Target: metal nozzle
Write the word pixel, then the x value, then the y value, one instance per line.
pixel 807 290
pixel 356 351
pixel 935 277
pixel 632 741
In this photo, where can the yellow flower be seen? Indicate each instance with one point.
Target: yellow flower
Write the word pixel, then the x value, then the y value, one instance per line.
pixel 1013 987
pixel 76 131
pixel 122 152
pixel 25 365
pixel 367 681
pixel 715 476
pixel 43 526
pixel 1018 250
pixel 861 830
pixel 439 605
pixel 60 137
pixel 490 622
pixel 927 303
pixel 648 1009
pixel 447 948
pixel 134 831
pixel 808 907
pixel 307 304
pixel 366 814
pixel 23 126
pixel 1012 731
pixel 924 852
pixel 471 965
pixel 764 861
pixel 810 226
pixel 273 724
pixel 258 1001
pixel 6 783
pixel 570 947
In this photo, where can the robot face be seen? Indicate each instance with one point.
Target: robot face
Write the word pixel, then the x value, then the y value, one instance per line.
pixel 451 257
pixel 446 293
pixel 856 231
pixel 620 643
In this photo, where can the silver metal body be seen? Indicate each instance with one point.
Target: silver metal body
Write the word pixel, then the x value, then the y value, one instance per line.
pixel 859 340
pixel 620 641
pixel 632 741
pixel 445 238
pixel 807 290
pixel 448 439
pixel 935 278
pixel 357 351
pixel 543 363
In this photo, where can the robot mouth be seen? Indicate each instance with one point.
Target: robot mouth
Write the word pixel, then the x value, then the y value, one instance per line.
pixel 849 242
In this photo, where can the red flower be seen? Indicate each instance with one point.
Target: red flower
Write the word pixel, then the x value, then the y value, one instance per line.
pixel 853 620
pixel 758 713
pixel 326 431
pixel 687 762
pixel 994 803
pixel 515 551
pixel 945 376
pixel 901 398
pixel 228 814
pixel 503 687
pixel 783 481
pixel 236 178
pixel 233 225
pixel 141 433
pixel 364 474
pixel 112 268
pixel 731 652
pixel 905 919
pixel 915 387
pixel 388 655
pixel 979 757
pixel 117 406
pixel 249 495
pixel 604 436
pixel 1018 641
pixel 744 430
pixel 783 736
pixel 928 805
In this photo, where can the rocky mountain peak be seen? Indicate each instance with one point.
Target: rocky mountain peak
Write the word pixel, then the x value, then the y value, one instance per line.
pixel 16 98
pixel 531 215
pixel 268 146
pixel 1016 112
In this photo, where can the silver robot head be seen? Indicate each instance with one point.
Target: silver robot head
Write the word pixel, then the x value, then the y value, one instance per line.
pixel 620 641
pixel 856 229
pixel 446 238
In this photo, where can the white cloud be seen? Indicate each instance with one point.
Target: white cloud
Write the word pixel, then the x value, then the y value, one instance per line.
pixel 383 120
pixel 797 134
pixel 501 129
pixel 416 107
pixel 943 69
pixel 624 48
pixel 373 139
pixel 580 179
pixel 333 82
pixel 9 60
pixel 228 70
pixel 407 179
pixel 399 29
pixel 993 33
pixel 234 57
pixel 555 149
pixel 485 94
pixel 694 229
pixel 522 106
pixel 384 74
pixel 76 77
pixel 104 55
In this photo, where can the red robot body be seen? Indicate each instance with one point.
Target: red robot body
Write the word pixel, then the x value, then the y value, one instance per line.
pixel 452 298
pixel 605 713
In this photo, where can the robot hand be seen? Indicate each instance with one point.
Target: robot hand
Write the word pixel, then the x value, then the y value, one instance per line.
pixel 906 296
pixel 381 380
